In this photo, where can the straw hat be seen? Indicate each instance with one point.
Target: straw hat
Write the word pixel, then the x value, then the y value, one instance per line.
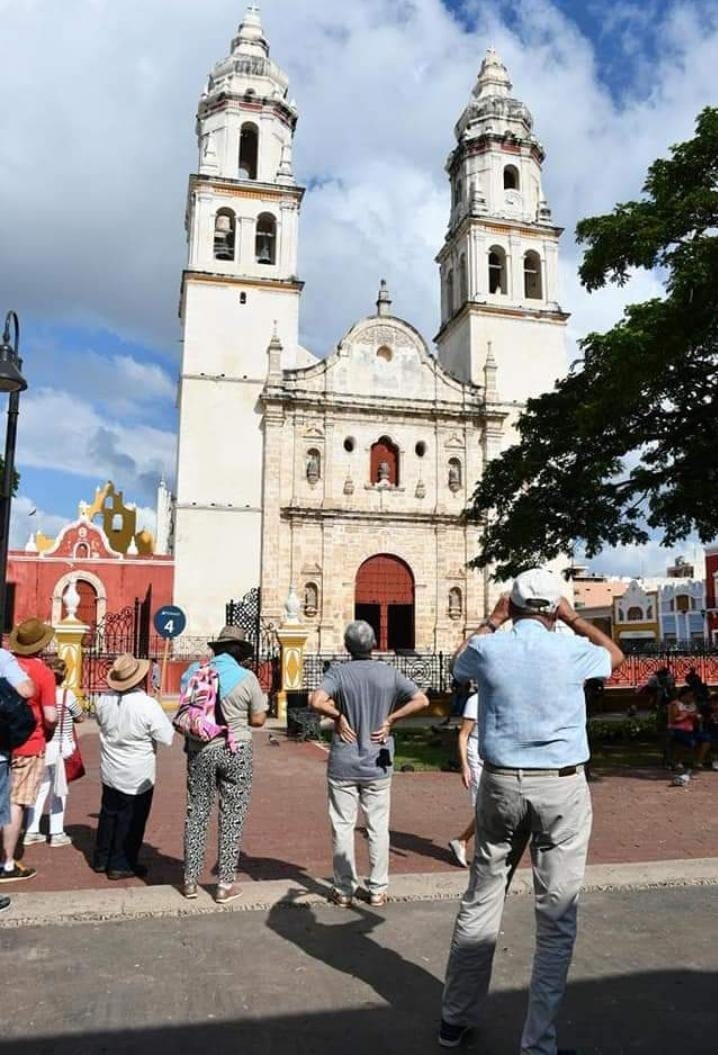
pixel 30 637
pixel 127 672
pixel 235 635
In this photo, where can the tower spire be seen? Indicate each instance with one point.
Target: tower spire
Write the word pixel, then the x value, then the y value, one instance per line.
pixel 383 301
pixel 493 77
pixel 250 39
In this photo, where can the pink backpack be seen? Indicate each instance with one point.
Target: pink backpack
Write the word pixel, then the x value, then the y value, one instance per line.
pixel 197 714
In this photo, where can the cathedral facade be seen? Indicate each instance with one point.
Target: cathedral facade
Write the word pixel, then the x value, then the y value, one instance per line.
pixel 343 477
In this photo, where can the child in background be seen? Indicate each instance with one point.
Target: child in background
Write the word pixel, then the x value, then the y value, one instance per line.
pixel 471 767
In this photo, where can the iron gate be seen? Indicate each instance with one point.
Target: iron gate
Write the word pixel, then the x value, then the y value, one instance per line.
pixel 265 662
pixel 125 631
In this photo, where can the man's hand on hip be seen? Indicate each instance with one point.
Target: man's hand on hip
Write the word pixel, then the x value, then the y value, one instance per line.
pixel 344 730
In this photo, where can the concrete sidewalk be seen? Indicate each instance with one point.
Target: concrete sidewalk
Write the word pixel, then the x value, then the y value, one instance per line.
pixel 361 982
pixel 101 906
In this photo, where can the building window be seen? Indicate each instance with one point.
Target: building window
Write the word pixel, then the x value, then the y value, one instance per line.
pixel 420 449
pixel 384 464
pixel 634 615
pixel 458 192
pixel 314 465
pixel 87 608
pixel 385 353
pixel 81 551
pixel 454 474
pixel 449 293
pixel 224 232
pixel 266 240
pixel 349 444
pixel 311 599
pixel 455 603
pixel 243 298
pixel 497 270
pixel 682 602
pixel 248 151
pixel 511 178
pixel 463 279
pixel 532 276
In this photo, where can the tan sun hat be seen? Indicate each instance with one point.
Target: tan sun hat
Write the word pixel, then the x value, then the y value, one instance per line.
pixel 30 636
pixel 235 635
pixel 126 672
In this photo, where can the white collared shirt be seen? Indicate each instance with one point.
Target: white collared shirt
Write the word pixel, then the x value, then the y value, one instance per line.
pixel 131 725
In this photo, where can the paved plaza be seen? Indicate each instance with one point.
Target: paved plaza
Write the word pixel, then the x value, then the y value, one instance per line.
pixel 305 981
pixel 637 817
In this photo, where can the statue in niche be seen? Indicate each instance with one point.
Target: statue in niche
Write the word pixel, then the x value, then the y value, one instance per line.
pixel 454 477
pixel 312 467
pixel 384 472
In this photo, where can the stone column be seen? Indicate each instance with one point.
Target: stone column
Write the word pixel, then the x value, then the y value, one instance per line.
pixel 69 633
pixel 292 637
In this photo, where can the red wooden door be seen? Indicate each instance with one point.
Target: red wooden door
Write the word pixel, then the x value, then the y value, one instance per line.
pixel 385 582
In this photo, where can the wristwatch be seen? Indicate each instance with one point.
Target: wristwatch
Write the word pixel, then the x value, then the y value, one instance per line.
pixel 489 625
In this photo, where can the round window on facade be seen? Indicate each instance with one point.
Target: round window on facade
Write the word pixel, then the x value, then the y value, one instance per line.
pixel 349 444
pixel 385 353
pixel 420 449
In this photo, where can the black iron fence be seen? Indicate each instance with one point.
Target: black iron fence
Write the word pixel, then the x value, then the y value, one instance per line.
pixel 429 670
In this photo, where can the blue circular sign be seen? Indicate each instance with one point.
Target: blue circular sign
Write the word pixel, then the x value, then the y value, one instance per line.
pixel 169 621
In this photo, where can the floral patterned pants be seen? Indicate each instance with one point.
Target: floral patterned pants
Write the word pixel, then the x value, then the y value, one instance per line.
pixel 212 769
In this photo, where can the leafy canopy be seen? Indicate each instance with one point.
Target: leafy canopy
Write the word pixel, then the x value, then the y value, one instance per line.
pixel 627 443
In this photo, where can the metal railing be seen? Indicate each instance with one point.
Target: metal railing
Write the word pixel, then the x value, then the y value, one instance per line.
pixel 428 670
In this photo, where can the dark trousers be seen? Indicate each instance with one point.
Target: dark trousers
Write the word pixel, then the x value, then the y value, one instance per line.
pixel 121 829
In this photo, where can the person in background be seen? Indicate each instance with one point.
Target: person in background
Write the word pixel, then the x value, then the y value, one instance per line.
pixel 59 747
pixel 214 768
pixel 131 725
pixel 710 726
pixel 471 768
pixel 14 675
pixel 365 698
pixel 156 678
pixel 685 729
pixel 27 641
pixel 532 727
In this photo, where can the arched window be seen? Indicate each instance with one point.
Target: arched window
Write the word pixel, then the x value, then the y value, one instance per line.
pixel 463 279
pixel 449 293
pixel 384 463
pixel 497 270
pixel 311 599
pixel 455 603
pixel 532 276
pixel 248 150
pixel 224 231
pixel 81 551
pixel 265 247
pixel 511 178
pixel 314 465
pixel 454 474
pixel 635 614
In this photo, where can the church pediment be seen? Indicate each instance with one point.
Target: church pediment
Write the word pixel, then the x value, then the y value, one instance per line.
pixel 81 540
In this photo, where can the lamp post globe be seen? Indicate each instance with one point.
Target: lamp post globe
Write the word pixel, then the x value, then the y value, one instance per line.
pixel 11 379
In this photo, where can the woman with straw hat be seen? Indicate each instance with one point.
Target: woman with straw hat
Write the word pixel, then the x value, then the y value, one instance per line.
pixel 131 725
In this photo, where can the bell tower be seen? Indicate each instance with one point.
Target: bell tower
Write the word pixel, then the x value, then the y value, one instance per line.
pixel 240 286
pixel 499 262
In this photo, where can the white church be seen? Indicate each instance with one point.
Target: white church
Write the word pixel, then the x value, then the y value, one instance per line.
pixel 342 474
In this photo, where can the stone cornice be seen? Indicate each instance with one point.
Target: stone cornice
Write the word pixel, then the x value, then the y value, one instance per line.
pixel 430 518
pixel 496 225
pixel 372 407
pixel 286 285
pixel 245 188
pixel 551 317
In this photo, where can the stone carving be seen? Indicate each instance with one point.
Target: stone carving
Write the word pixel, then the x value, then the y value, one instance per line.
pixel 383 472
pixel 71 600
pixel 292 607
pixel 391 335
pixel 420 489
pixel 348 486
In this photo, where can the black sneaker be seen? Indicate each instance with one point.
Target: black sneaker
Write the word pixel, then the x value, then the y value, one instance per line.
pixel 5 904
pixel 19 871
pixel 452 1036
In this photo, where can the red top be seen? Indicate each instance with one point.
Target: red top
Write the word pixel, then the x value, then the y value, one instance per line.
pixel 44 681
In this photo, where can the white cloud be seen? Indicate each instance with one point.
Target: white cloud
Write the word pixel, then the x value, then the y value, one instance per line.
pixel 27 518
pixel 59 431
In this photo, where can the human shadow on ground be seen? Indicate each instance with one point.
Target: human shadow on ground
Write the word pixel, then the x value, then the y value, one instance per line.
pixel 161 867
pixel 647 1013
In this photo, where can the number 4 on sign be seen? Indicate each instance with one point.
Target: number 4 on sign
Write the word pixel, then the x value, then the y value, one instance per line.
pixel 170 627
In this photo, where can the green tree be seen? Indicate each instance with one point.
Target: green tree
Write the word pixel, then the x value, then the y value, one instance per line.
pixel 626 446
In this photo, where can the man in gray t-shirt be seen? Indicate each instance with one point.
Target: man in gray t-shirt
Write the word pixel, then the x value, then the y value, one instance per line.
pixel 365 698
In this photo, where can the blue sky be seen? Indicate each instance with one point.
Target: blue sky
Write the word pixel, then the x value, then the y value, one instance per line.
pixel 99 141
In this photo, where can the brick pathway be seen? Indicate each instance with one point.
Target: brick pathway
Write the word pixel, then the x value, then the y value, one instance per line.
pixel 637 817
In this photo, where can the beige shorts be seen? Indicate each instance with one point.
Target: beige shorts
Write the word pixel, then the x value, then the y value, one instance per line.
pixel 27 775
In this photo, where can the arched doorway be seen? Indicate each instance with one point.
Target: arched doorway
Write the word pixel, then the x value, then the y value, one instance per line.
pixel 384 597
pixel 87 608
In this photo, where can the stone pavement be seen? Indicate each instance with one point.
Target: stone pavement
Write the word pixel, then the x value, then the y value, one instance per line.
pixel 360 982
pixel 637 817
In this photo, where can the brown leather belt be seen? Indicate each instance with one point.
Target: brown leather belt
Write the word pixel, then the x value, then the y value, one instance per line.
pixel 510 771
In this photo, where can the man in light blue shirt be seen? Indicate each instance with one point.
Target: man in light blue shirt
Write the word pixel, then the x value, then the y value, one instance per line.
pixel 532 732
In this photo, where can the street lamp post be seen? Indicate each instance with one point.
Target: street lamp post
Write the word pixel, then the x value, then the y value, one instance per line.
pixel 11 381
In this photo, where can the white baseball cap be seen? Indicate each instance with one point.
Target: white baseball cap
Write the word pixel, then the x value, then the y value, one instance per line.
pixel 537 590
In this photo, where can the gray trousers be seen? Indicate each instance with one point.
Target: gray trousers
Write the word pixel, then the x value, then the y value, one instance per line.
pixel 374 797
pixel 554 815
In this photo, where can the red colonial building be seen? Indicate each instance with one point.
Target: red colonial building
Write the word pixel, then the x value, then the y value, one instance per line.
pixel 712 593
